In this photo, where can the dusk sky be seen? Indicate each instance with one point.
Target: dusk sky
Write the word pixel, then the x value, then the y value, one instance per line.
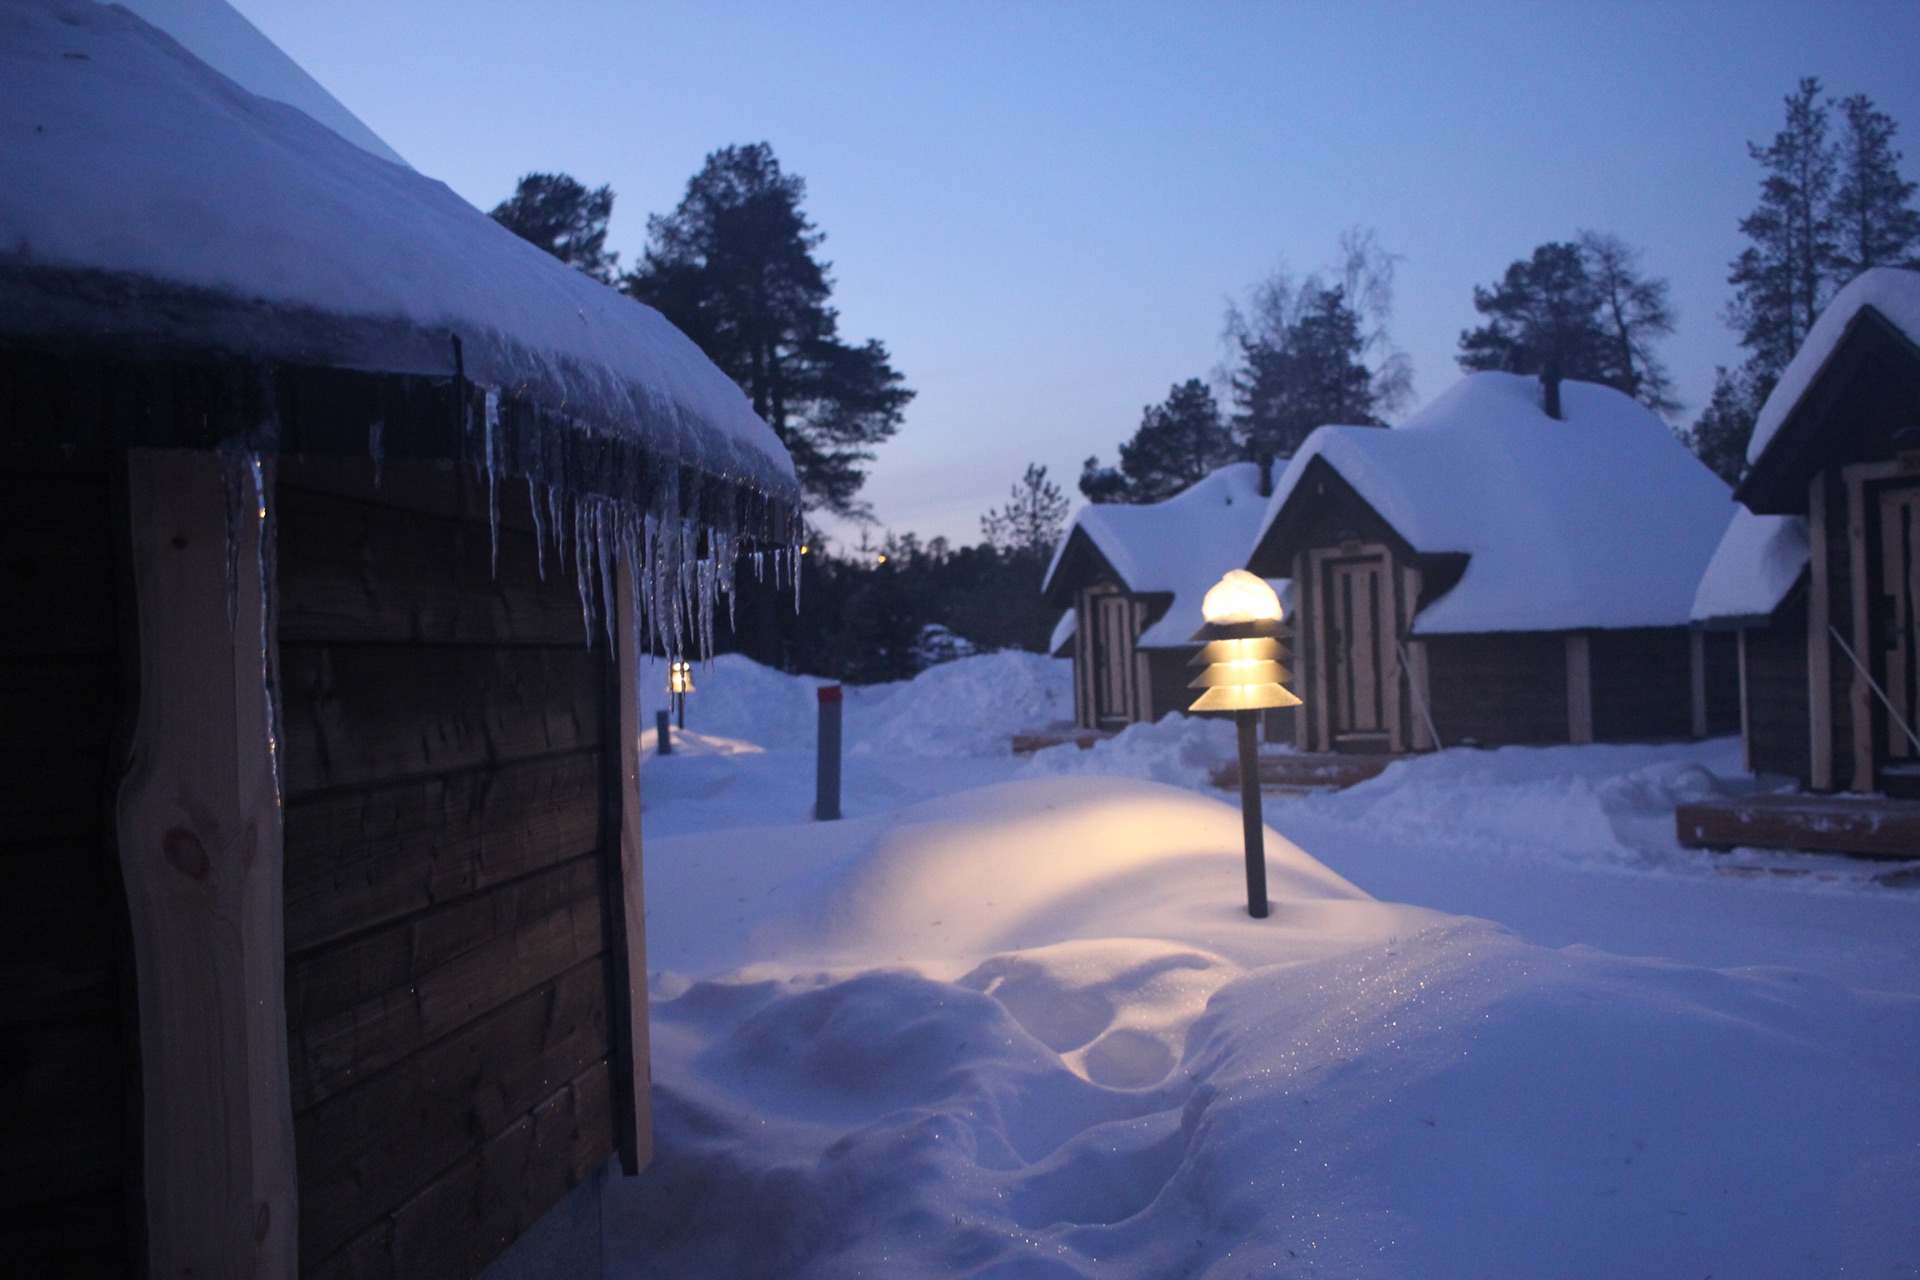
pixel 1044 209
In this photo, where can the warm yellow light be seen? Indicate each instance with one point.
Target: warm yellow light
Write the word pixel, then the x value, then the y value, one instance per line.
pixel 1244 697
pixel 1241 597
pixel 883 559
pixel 804 549
pixel 680 678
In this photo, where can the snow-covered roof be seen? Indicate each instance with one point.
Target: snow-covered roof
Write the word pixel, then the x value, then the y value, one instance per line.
pixel 1598 519
pixel 216 33
pixel 1756 564
pixel 1182 545
pixel 149 200
pixel 1892 292
pixel 1063 631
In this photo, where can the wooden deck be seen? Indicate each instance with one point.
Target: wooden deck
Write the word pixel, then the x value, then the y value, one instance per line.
pixel 1306 771
pixel 1028 741
pixel 1864 826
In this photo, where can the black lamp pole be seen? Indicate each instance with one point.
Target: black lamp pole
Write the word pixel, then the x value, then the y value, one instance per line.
pixel 1250 818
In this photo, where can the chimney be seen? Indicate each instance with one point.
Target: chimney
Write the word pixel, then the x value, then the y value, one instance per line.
pixel 1550 385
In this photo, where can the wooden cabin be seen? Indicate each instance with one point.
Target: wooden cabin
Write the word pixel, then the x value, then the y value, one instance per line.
pixel 1131 577
pixel 1819 578
pixel 1490 574
pixel 333 521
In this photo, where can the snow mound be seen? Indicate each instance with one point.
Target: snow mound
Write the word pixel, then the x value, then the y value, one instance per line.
pixel 970 706
pixel 1452 1101
pixel 1179 750
pixel 1599 519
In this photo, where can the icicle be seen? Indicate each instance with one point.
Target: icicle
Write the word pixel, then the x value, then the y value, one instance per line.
pixel 582 569
pixel 539 532
pixel 264 557
pixel 231 466
pixel 603 547
pixel 377 447
pixel 493 496
pixel 554 510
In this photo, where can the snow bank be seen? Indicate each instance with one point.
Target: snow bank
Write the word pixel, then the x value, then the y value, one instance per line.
pixel 150 198
pixel 1182 545
pixel 1599 519
pixel 1756 564
pixel 1892 292
pixel 1179 750
pixel 1030 1031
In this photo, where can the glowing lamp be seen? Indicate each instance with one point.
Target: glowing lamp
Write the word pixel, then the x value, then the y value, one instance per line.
pixel 680 684
pixel 1241 660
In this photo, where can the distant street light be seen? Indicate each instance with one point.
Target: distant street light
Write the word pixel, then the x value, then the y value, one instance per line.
pixel 680 684
pixel 1241 651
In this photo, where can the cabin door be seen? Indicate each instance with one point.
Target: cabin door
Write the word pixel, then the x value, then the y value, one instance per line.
pixel 1113 694
pixel 1900 636
pixel 1359 614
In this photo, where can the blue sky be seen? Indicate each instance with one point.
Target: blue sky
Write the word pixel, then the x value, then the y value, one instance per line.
pixel 1043 209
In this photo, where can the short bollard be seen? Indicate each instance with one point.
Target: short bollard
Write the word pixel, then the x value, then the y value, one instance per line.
pixel 826 796
pixel 662 735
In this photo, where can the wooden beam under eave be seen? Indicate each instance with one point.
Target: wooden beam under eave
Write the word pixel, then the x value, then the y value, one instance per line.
pixel 631 1039
pixel 1579 689
pixel 1819 646
pixel 199 828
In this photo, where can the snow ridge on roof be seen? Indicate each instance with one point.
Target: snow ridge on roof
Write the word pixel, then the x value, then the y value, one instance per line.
pixel 1756 564
pixel 1182 545
pixel 163 187
pixel 217 34
pixel 1892 292
pixel 1599 519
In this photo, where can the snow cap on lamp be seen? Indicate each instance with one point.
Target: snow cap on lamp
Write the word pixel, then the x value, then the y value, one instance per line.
pixel 1241 647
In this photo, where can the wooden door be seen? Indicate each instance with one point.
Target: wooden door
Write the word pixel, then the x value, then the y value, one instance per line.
pixel 1900 628
pixel 1113 660
pixel 1359 636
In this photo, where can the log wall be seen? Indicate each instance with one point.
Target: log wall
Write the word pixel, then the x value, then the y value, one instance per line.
pixel 1642 684
pixel 68 1075
pixel 1777 723
pixel 447 975
pixel 1499 688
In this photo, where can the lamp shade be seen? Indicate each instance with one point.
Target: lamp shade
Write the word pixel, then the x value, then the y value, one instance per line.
pixel 1242 648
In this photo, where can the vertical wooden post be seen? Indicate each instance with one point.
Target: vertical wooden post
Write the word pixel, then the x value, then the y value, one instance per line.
pixel 1746 722
pixel 1859 692
pixel 1319 615
pixel 1303 642
pixel 1697 680
pixel 629 1037
pixel 1083 695
pixel 200 847
pixel 1819 646
pixel 1579 689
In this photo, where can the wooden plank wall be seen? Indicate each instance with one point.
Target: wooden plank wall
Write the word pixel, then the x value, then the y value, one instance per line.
pixel 1642 684
pixel 446 973
pixel 1499 688
pixel 68 1082
pixel 1777 728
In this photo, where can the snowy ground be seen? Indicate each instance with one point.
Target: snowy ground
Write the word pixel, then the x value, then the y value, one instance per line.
pixel 1010 1019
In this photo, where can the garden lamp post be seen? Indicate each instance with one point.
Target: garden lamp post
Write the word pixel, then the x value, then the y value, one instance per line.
pixel 1240 655
pixel 680 684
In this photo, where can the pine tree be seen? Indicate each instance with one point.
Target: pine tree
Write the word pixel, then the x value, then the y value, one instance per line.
pixel 733 267
pixel 1633 312
pixel 1719 437
pixel 1179 442
pixel 554 211
pixel 1783 279
pixel 1300 369
pixel 1032 520
pixel 1576 309
pixel 1874 222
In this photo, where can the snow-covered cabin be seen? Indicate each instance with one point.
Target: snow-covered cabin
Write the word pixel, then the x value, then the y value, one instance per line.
pixel 1130 579
pixel 1819 575
pixel 331 516
pixel 1489 574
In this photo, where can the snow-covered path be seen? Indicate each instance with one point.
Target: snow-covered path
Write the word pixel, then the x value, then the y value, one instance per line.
pixel 1010 1021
